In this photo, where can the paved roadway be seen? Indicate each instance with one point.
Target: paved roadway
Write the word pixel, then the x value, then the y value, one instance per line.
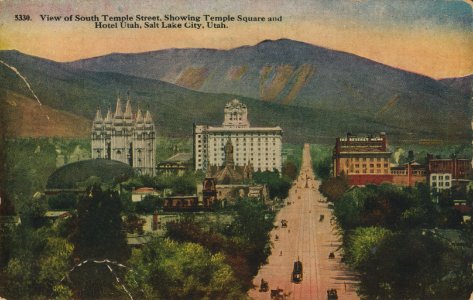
pixel 308 239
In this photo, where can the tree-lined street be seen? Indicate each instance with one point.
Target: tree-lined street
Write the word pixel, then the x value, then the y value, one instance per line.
pixel 309 237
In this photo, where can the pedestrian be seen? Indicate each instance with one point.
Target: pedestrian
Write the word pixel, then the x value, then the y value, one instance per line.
pixel 280 253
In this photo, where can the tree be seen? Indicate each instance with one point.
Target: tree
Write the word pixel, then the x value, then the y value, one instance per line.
pixel 99 231
pixel 98 235
pixel 289 169
pixel 334 188
pixel 236 251
pixel 414 265
pixel 40 259
pixel 322 167
pixel 278 186
pixel 164 269
pixel 362 245
pixel 252 224
pixel 32 211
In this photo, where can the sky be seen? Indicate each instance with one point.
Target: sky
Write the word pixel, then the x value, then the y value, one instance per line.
pixel 430 37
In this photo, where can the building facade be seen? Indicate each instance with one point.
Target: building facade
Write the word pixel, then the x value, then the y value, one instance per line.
pixel 125 137
pixel 408 174
pixel 363 159
pixel 440 181
pixel 459 168
pixel 257 146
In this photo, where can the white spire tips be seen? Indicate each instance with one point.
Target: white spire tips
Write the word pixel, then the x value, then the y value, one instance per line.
pixel 108 118
pixel 139 117
pixel 118 109
pixel 128 113
pixel 98 116
pixel 148 119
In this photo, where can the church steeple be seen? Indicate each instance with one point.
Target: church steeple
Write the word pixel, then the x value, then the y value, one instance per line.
pixel 139 117
pixel 118 108
pixel 108 118
pixel 128 114
pixel 98 116
pixel 148 119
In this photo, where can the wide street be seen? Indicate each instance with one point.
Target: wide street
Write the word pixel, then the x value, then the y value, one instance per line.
pixel 310 238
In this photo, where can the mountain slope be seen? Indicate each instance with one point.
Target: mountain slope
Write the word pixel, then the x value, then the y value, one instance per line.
pixel 24 117
pixel 175 109
pixel 463 84
pixel 299 74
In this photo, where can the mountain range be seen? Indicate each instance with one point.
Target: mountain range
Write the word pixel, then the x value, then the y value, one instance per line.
pixel 313 93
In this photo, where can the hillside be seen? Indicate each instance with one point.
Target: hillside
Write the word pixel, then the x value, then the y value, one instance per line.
pixel 24 117
pixel 299 74
pixel 462 84
pixel 175 109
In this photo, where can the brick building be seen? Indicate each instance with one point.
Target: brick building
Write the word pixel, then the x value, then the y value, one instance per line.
pixel 363 159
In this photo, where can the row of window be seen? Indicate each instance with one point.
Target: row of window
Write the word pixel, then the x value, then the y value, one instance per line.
pixel 371 165
pixel 366 159
pixel 371 171
pixel 441 177
pixel 441 184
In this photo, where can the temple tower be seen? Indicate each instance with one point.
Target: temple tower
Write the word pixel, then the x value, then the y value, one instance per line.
pixel 125 137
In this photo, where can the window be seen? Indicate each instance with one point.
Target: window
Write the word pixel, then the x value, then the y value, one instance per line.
pixel 434 177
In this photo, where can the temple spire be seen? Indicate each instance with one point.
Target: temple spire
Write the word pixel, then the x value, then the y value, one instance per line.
pixel 98 116
pixel 128 114
pixel 108 118
pixel 148 119
pixel 139 116
pixel 118 109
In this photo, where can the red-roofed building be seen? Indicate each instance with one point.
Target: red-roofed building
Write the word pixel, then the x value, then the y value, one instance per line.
pixel 139 194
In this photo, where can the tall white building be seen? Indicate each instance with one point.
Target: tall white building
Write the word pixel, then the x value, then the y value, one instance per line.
pixel 125 137
pixel 258 146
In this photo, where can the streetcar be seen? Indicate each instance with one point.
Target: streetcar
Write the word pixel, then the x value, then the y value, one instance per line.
pixel 297 272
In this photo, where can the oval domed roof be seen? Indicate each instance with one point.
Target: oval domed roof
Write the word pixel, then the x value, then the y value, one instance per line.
pixel 68 175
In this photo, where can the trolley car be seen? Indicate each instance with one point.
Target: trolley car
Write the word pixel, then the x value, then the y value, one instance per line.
pixel 297 272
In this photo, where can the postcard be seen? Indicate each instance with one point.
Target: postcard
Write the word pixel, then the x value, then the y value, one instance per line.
pixel 236 149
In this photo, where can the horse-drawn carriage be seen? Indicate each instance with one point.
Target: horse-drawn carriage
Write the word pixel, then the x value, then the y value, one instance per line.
pixel 332 294
pixel 263 288
pixel 283 223
pixel 278 294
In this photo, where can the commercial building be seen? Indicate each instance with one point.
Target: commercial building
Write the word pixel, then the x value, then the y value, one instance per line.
pixel 259 147
pixel 459 168
pixel 408 174
pixel 440 181
pixel 363 159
